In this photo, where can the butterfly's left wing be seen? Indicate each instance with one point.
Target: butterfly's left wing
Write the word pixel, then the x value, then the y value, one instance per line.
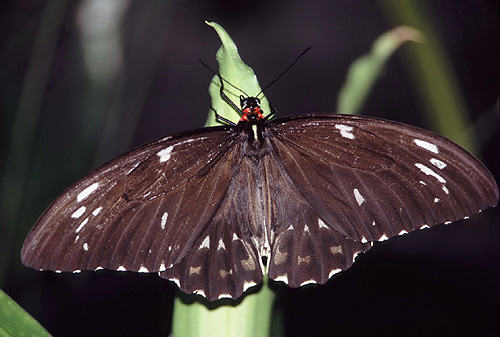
pixel 358 179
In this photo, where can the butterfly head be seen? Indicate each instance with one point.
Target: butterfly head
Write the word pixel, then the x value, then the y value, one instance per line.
pixel 250 108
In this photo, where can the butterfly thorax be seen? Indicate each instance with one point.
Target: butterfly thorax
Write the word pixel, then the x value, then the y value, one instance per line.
pixel 250 108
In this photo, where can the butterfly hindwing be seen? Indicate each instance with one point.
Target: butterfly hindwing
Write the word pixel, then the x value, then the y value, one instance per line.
pixel 304 249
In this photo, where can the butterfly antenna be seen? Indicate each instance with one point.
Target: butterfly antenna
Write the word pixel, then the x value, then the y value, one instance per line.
pixel 221 78
pixel 284 72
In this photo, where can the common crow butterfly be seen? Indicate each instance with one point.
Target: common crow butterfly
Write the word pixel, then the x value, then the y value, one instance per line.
pixel 204 207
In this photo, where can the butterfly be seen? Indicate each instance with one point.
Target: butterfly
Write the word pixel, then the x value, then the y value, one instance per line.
pixel 295 198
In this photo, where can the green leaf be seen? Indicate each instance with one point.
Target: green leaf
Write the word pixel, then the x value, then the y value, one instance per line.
pixel 364 72
pixel 16 322
pixel 235 71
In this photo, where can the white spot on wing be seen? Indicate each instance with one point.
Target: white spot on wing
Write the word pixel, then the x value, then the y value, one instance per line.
pixel 363 240
pixel 359 198
pixel 99 268
pixel 355 255
pixel 205 243
pixel 79 212
pixel 164 220
pixel 307 282
pixel 424 227
pixel 334 271
pixel 224 296
pixel 164 154
pixel 86 192
pixel 199 292
pixel 403 232
pixel 96 211
pixel 436 200
pixel 445 189
pixel 77 271
pixel 248 284
pixel 282 278
pixel 374 223
pixel 306 229
pixel 426 145
pixel 383 238
pixel 345 131
pixel 84 222
pixel 321 224
pixel 143 270
pixel 235 237
pixel 221 245
pixel 162 266
pixel 85 246
pixel 176 281
pixel 438 163
pixel 290 228
pixel 121 268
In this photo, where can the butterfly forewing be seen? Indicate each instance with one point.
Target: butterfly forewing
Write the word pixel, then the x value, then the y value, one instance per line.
pixel 140 212
pixel 370 179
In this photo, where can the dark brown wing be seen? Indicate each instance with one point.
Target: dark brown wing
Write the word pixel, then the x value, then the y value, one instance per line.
pixel 354 180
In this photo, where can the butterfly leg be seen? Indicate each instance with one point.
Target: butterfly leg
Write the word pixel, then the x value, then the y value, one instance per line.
pixel 221 119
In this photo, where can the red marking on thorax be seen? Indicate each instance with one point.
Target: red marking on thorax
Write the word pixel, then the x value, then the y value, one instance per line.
pixel 251 111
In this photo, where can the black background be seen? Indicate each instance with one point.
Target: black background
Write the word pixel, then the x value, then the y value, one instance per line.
pixel 437 282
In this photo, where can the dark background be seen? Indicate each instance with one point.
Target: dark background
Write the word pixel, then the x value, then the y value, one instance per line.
pixel 437 282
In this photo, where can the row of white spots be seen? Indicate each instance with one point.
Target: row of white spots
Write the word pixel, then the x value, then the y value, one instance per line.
pixel 86 192
pixel 345 131
pixel 165 153
pixel 426 145
pixel 164 220
pixel 427 171
pixel 359 198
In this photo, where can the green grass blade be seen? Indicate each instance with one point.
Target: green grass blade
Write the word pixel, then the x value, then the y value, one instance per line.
pixel 16 322
pixel 432 72
pixel 363 72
